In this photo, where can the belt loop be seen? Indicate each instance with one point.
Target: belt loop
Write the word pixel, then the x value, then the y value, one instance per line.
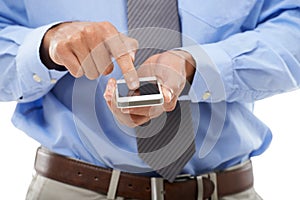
pixel 213 178
pixel 113 185
pixel 200 188
pixel 157 188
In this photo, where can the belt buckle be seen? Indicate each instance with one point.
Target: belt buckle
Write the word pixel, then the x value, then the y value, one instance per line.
pixel 157 188
pixel 183 177
pixel 200 187
pixel 157 185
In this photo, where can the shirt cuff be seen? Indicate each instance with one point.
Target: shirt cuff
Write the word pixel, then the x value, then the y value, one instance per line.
pixel 211 73
pixel 35 77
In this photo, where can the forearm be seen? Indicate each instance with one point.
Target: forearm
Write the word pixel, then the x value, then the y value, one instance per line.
pixel 24 76
pixel 251 65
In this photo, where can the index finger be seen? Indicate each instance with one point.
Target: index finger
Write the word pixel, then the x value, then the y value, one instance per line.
pixel 121 53
pixel 129 72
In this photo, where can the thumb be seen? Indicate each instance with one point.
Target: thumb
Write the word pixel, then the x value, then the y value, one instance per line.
pixel 168 94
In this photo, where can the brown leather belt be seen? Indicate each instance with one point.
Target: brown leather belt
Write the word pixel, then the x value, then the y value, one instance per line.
pixel 84 175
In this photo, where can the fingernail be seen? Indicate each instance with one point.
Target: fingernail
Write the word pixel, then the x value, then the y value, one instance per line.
pixel 169 94
pixel 109 87
pixel 132 79
pixel 107 97
pixel 132 55
pixel 125 110
pixel 134 85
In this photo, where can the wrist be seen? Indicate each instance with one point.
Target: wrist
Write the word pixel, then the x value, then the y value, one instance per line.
pixel 44 51
pixel 190 68
pixel 190 64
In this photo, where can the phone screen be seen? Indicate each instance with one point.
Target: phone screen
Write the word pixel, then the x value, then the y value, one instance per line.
pixel 146 88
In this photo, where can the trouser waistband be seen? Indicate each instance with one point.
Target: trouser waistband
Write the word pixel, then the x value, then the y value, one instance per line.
pixel 115 183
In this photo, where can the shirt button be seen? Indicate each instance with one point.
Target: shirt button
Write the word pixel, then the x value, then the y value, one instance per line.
pixel 36 78
pixel 206 95
pixel 53 81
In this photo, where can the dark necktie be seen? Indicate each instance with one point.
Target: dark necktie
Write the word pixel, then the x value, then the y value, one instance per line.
pixel 166 144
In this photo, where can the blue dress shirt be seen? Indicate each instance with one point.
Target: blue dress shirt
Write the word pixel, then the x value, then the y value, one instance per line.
pixel 244 50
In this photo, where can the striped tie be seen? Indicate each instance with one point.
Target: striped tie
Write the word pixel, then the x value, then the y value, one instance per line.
pixel 166 144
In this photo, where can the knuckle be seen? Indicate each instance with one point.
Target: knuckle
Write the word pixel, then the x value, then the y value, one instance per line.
pixel 76 38
pixel 106 24
pixel 58 52
pixel 60 47
pixel 107 27
pixel 173 53
pixel 133 43
pixel 89 30
pixel 55 56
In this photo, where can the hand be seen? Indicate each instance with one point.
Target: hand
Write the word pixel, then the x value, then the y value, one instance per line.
pixel 172 69
pixel 87 48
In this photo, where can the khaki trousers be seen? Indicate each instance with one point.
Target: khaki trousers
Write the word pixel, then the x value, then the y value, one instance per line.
pixel 42 188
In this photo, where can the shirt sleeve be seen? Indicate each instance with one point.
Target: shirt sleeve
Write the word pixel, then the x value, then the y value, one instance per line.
pixel 23 77
pixel 251 65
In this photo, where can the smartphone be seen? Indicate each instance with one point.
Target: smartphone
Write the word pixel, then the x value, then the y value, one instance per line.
pixel 148 94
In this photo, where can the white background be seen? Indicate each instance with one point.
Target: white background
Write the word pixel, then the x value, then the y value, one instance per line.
pixel 276 172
